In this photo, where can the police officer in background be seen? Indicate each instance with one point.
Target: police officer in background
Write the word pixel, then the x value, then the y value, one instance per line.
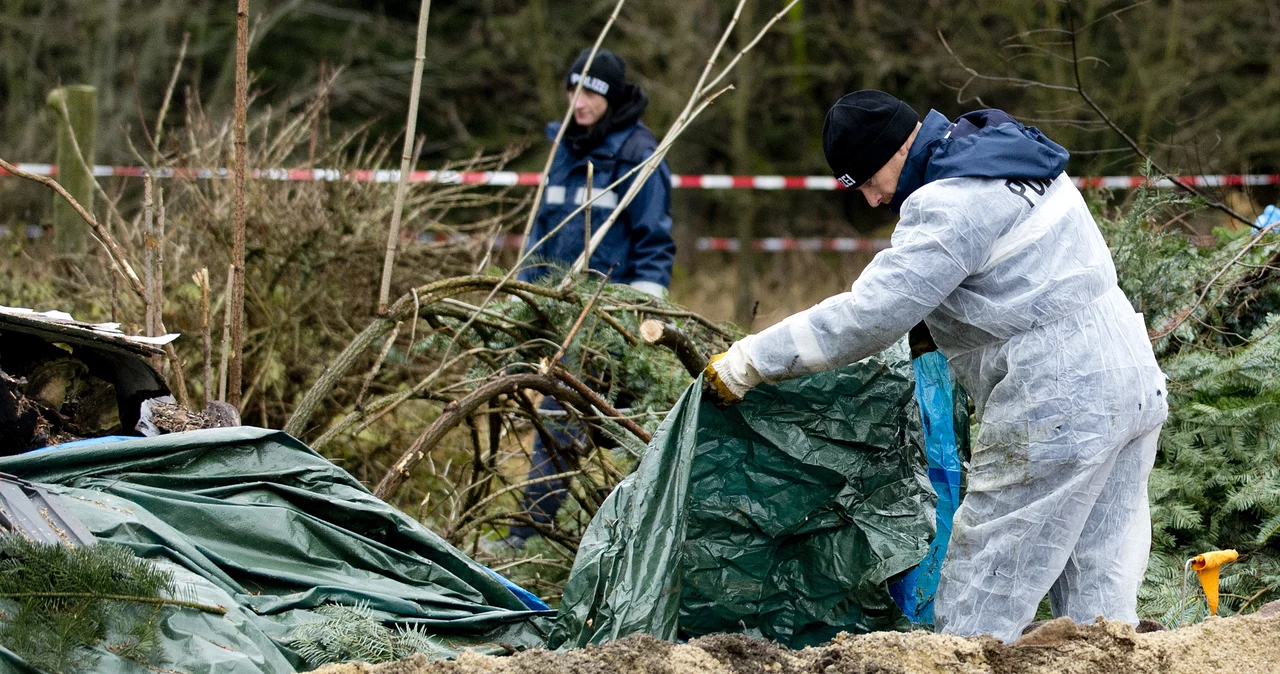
pixel 605 132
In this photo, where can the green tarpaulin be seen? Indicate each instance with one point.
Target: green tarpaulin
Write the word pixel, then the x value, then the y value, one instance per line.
pixel 255 521
pixel 785 514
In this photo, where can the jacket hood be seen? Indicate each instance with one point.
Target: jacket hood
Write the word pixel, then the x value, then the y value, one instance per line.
pixel 980 144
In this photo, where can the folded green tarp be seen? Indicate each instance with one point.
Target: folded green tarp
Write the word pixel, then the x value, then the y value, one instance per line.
pixel 255 521
pixel 785 514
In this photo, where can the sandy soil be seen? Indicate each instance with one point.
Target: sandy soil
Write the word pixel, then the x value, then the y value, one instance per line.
pixel 1245 644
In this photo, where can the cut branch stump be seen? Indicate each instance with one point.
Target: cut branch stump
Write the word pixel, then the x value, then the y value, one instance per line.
pixel 653 331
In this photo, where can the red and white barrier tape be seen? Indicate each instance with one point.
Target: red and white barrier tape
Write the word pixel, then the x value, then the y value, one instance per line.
pixel 507 178
pixel 779 244
pixel 705 243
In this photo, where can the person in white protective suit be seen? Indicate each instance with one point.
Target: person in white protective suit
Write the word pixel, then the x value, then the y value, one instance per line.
pixel 997 253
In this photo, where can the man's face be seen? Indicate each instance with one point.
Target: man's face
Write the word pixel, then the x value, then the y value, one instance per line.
pixel 589 108
pixel 879 188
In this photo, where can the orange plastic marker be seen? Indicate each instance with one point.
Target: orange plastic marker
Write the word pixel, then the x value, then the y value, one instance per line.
pixel 1207 567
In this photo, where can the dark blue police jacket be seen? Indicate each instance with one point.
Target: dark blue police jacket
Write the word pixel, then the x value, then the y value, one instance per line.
pixel 980 144
pixel 638 246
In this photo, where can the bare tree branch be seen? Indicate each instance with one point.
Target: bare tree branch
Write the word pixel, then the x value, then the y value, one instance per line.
pixel 411 125
pixel 1079 88
pixel 104 237
pixel 168 94
pixel 455 412
pixel 698 101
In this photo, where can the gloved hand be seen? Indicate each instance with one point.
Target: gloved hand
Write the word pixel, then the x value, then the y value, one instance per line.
pixel 1270 216
pixel 729 376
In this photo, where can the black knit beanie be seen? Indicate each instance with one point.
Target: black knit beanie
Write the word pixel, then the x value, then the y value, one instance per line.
pixel 862 131
pixel 607 77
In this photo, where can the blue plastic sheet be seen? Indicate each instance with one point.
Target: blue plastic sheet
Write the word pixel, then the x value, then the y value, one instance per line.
pixel 937 398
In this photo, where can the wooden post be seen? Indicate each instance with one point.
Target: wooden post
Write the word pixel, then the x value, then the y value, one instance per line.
pixel 148 258
pixel 235 306
pixel 78 129
pixel 224 362
pixel 744 305
pixel 201 279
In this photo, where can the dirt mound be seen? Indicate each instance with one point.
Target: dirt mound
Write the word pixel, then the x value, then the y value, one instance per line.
pixel 1247 644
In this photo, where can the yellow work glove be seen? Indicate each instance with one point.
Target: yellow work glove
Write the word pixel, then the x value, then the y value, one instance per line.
pixel 729 376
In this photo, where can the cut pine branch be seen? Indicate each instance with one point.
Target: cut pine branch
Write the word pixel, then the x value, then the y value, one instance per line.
pixel 1181 316
pixel 656 332
pixel 159 601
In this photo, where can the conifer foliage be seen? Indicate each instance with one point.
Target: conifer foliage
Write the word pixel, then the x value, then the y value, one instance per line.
pixel 60 602
pixel 1216 482
pixel 354 634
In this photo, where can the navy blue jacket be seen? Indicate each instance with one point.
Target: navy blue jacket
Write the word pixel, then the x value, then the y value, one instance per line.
pixel 639 246
pixel 980 144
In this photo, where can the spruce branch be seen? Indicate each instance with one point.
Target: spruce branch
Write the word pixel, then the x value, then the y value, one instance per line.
pixel 158 601
pixel 1182 315
pixel 70 600
pixel 355 634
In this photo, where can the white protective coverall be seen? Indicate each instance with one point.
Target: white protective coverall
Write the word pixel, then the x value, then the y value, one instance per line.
pixel 1017 286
